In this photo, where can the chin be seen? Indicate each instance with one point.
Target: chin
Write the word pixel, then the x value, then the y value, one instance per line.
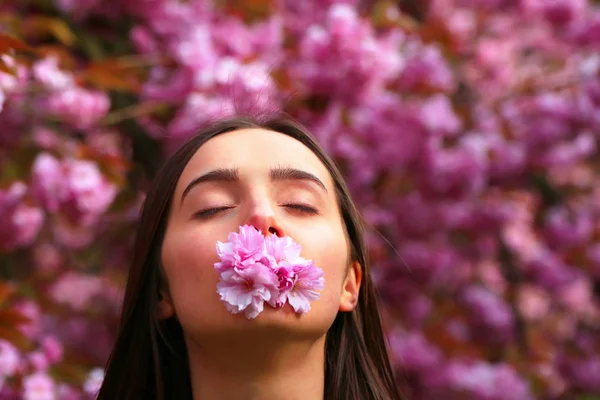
pixel 272 325
pixel 271 315
pixel 285 321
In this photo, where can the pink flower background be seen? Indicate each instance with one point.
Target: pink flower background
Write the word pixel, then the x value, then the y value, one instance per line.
pixel 467 131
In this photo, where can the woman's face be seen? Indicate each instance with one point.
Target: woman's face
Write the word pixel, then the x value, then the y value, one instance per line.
pixel 276 184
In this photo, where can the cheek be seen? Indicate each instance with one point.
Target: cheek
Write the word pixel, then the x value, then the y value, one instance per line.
pixel 188 260
pixel 330 253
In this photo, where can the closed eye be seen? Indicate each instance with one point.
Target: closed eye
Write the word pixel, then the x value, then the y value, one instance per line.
pixel 209 212
pixel 303 208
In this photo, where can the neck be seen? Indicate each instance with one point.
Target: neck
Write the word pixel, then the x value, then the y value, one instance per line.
pixel 258 370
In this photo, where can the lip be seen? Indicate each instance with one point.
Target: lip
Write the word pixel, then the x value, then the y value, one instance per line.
pixel 287 308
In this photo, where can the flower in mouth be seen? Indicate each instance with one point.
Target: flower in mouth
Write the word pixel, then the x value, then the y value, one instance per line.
pixel 255 269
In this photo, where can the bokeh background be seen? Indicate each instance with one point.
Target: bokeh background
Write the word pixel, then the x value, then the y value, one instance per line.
pixel 467 130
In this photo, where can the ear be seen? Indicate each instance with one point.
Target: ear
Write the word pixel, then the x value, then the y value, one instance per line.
pixel 351 288
pixel 165 306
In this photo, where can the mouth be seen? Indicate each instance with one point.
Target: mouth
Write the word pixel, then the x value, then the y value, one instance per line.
pixel 285 309
pixel 258 273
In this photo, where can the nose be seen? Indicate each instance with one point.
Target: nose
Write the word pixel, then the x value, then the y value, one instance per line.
pixel 264 219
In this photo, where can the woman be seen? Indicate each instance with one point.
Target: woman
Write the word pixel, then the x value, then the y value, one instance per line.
pixel 178 341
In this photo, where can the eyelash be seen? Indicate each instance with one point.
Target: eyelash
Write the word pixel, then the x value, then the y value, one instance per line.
pixel 209 212
pixel 214 211
pixel 302 208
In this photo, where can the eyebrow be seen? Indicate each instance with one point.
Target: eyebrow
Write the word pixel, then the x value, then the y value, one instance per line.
pixel 232 175
pixel 289 173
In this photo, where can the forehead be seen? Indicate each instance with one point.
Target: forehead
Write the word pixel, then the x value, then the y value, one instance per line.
pixel 254 151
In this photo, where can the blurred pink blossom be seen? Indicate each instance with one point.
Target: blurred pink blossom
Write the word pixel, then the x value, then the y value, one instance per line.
pixel 21 222
pixel 53 349
pixel 76 290
pixel 47 257
pixel 38 386
pixel 414 353
pixel 31 310
pixel 78 107
pixel 424 68
pixel 485 381
pixel 439 117
pixel 75 186
pixel 9 360
pixel 38 361
pixel 93 382
pixel 46 71
pixel 578 296
pixel 72 235
pixel 533 302
pixel 490 316
pixel 583 373
pixel 67 392
pixel 346 48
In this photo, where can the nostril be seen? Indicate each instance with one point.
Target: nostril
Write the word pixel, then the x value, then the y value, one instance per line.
pixel 273 231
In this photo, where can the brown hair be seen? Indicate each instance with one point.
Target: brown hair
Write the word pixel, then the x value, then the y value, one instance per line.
pixel 149 359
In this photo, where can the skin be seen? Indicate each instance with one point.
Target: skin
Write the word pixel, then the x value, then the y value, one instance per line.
pixel 279 354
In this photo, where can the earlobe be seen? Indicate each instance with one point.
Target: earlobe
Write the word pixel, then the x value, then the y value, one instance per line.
pixel 165 307
pixel 351 288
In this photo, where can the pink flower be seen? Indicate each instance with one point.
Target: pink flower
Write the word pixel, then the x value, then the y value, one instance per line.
pixel 491 317
pixel 559 12
pixel 33 313
pixel 53 349
pixel 20 222
pixel 242 249
pixel 533 302
pixel 79 107
pixel 196 49
pixel 584 373
pixel 93 382
pixel 197 110
pixel 9 359
pixel 38 361
pixel 80 8
pixel 27 222
pixel 143 41
pixel 480 380
pixel 72 235
pixel 299 278
pixel 8 83
pixel 346 49
pixel 47 257
pixel 286 284
pixel 438 116
pixel 76 290
pixel 283 250
pixel 246 289
pixel 90 191
pixel 414 351
pixel 46 71
pixel 2 99
pixel 38 386
pixel 47 180
pixel 426 67
pixel 46 138
pixel 255 270
pixel 67 392
pixel 307 280
pixel 76 187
